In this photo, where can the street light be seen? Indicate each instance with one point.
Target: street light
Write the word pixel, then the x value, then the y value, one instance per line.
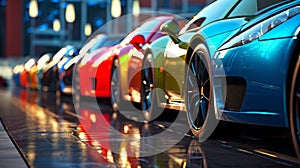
pixel 88 29
pixel 33 9
pixel 56 25
pixel 70 13
pixel 33 13
pixel 116 8
pixel 136 7
pixel 136 11
pixel 70 18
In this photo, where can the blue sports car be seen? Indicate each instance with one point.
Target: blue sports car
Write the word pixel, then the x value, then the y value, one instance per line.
pixel 248 73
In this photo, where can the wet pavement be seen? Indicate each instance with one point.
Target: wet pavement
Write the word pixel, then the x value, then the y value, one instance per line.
pixel 49 132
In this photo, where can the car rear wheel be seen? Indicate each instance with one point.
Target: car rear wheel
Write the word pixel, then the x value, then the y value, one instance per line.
pixel 198 93
pixel 116 98
pixel 149 105
pixel 295 108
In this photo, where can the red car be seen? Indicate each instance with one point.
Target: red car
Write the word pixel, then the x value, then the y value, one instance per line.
pixel 96 77
pixel 96 47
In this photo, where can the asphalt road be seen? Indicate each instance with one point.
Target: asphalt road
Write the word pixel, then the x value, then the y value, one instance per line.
pixel 52 131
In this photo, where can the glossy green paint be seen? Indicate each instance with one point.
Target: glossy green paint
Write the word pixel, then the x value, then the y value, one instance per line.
pixel 174 66
pixel 124 59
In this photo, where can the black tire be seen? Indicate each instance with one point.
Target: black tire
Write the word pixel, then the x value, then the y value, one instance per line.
pixel 116 97
pixel 149 103
pixel 198 94
pixel 295 108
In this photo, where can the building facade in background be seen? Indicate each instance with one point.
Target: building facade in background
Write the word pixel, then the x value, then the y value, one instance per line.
pixel 23 35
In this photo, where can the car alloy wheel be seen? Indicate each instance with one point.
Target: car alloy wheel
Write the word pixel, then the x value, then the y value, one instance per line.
pixel 295 108
pixel 147 87
pixel 115 85
pixel 198 93
pixel 151 110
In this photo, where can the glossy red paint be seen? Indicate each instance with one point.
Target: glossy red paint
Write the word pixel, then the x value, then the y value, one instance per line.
pixel 96 73
pixel 24 77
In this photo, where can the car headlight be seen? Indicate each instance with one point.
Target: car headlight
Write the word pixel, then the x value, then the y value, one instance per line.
pixel 260 29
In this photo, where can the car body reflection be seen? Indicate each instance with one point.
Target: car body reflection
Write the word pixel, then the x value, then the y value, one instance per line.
pixel 50 133
pixel 125 148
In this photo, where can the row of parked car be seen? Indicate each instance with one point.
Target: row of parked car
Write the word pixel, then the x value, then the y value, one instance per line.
pixel 49 72
pixel 235 60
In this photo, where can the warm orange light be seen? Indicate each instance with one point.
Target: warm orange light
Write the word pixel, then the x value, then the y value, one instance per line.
pixel 126 129
pixel 88 29
pixel 70 13
pixel 33 9
pixel 56 25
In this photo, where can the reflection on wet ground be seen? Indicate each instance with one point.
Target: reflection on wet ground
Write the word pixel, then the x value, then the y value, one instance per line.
pixel 49 133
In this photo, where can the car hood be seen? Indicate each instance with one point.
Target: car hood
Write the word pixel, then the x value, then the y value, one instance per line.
pixel 223 26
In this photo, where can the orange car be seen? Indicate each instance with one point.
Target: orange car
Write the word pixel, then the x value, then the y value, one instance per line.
pixel 24 75
pixel 35 72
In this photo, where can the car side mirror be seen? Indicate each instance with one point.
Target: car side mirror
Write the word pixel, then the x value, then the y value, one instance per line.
pixel 171 27
pixel 138 41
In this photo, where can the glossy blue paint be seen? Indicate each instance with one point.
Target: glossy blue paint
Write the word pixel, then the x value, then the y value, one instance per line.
pixel 263 63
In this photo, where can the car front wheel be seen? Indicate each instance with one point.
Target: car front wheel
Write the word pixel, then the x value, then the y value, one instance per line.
pixel 116 98
pixel 198 93
pixel 295 108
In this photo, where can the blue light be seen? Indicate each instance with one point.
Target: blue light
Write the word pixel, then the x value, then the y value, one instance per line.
pixel 55 12
pixel 99 22
pixel 93 3
pixel 29 30
pixel 3 3
pixel 43 27
pixel 27 5
pixel 50 17
pixel 63 5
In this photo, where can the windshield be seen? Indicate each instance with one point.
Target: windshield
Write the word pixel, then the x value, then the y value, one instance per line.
pixel 252 7
pixel 220 9
pixel 104 43
pixel 144 29
pixel 216 10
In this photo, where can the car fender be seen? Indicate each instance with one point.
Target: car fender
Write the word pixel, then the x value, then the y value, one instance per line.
pixel 124 58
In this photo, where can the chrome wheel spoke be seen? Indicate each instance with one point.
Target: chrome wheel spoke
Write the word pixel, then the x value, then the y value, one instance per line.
pixel 205 98
pixel 206 82
pixel 204 106
pixel 115 83
pixel 193 69
pixel 198 91
pixel 147 86
pixel 193 96
pixel 190 81
pixel 298 95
